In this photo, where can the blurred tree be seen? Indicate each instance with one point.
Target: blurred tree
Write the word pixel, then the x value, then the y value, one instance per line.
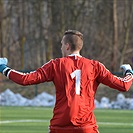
pixel 1 17
pixel 127 25
pixel 31 30
pixel 115 37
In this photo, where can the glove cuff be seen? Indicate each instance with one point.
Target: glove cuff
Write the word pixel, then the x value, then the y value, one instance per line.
pixel 129 72
pixel 5 71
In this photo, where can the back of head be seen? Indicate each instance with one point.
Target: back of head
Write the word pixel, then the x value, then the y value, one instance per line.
pixel 74 38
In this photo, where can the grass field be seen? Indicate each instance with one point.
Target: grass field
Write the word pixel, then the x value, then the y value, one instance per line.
pixel 36 120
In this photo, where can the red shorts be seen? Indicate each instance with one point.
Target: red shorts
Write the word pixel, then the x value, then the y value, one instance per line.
pixel 73 130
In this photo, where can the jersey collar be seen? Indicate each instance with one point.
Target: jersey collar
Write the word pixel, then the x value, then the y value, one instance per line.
pixel 75 55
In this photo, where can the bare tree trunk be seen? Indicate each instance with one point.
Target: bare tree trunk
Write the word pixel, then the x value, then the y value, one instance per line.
pixel 1 43
pixel 127 29
pixel 22 41
pixel 115 36
pixel 49 53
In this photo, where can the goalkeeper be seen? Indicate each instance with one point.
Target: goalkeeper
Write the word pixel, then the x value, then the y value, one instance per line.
pixel 76 80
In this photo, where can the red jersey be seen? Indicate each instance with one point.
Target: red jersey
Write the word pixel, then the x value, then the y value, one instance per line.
pixel 76 80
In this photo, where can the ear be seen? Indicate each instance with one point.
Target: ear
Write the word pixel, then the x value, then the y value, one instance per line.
pixel 68 46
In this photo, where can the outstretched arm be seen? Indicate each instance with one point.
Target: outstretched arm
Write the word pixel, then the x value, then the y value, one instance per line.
pixel 41 75
pixel 121 84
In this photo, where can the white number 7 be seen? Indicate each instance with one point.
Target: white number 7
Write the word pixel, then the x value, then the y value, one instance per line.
pixel 77 74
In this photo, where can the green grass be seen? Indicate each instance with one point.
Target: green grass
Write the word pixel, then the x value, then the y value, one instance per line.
pixel 115 121
pixel 36 120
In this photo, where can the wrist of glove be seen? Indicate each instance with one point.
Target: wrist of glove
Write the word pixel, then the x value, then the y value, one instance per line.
pixel 129 72
pixel 126 69
pixel 4 69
